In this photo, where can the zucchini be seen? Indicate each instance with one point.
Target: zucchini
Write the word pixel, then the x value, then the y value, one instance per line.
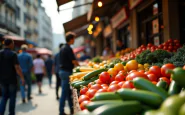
pixel 93 105
pixel 174 88
pixel 144 84
pixel 84 83
pixel 92 74
pixel 126 108
pixel 146 97
pixel 72 83
pixel 105 96
pixel 162 84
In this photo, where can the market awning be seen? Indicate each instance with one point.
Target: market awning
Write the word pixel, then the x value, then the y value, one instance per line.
pixel 77 25
pixel 31 42
pixel 17 40
pixel 105 10
pixel 41 51
pixel 79 49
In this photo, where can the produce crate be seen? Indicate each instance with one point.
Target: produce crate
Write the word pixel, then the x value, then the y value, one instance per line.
pixel 76 105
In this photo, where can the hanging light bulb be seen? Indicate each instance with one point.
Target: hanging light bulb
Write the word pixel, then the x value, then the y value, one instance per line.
pixel 100 4
pixel 97 19
pixel 91 26
pixel 90 32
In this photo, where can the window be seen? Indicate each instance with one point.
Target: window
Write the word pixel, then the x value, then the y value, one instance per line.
pixel 18 13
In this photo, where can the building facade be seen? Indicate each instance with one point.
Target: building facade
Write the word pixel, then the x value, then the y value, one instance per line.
pixel 45 30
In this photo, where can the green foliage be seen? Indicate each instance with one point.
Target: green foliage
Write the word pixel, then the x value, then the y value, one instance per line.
pixel 141 58
pixel 97 59
pixel 178 59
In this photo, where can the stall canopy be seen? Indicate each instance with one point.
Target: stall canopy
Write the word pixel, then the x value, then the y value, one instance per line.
pixel 31 42
pixel 41 51
pixel 78 25
pixel 79 49
pixel 105 10
pixel 17 40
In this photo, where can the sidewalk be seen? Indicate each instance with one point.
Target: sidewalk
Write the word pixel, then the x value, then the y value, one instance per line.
pixel 41 104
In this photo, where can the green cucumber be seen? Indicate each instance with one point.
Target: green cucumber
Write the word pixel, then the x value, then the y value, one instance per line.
pixel 74 82
pixel 126 108
pixel 105 96
pixel 162 84
pixel 92 74
pixel 84 83
pixel 93 105
pixel 174 88
pixel 146 97
pixel 144 84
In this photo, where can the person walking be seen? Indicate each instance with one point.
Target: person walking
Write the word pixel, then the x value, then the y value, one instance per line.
pixel 67 62
pixel 26 63
pixel 57 68
pixel 39 71
pixel 49 69
pixel 9 68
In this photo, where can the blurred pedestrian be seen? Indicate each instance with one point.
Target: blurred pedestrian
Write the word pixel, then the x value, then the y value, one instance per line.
pixel 105 53
pixel 49 69
pixel 39 70
pixel 57 68
pixel 120 45
pixel 26 63
pixel 67 62
pixel 9 68
pixel 85 56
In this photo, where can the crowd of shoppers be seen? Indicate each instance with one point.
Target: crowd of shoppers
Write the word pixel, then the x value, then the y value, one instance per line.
pixel 16 69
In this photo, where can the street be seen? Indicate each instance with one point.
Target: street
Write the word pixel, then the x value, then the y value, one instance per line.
pixel 41 104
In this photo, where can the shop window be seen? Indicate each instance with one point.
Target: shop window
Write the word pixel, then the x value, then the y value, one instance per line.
pixel 124 35
pixel 18 12
pixel 150 23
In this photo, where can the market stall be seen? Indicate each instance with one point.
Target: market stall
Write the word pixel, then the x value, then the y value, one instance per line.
pixel 150 80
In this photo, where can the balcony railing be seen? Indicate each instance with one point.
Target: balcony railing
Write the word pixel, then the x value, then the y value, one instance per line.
pixel 11 3
pixel 7 24
pixel 2 21
pixel 11 26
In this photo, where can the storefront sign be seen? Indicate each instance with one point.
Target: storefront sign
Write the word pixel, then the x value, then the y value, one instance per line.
pixel 119 18
pixel 107 31
pixel 156 40
pixel 133 3
pixel 155 26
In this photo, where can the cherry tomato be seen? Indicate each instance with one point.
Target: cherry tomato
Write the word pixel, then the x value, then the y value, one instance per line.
pixel 83 98
pixel 82 105
pixel 120 77
pixel 83 90
pixel 113 88
pixel 96 86
pixel 105 77
pixel 165 79
pixel 166 67
pixel 121 83
pixel 91 92
pixel 114 82
pixel 136 74
pixel 128 84
pixel 90 84
pixel 152 77
pixel 113 72
pixel 141 71
pixel 101 90
pixel 122 72
pixel 98 81
pixel 156 70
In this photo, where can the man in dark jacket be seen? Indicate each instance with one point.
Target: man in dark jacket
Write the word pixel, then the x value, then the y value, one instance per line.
pixel 67 63
pixel 9 68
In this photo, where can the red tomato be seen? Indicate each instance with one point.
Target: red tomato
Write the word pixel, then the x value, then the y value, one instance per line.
pixel 152 77
pixel 96 86
pixel 122 72
pixel 114 82
pixel 149 45
pixel 82 105
pixel 91 92
pixel 113 88
pixel 176 41
pixel 166 67
pixel 83 90
pixel 165 79
pixel 170 41
pixel 90 84
pixel 105 77
pixel 104 85
pixel 154 82
pixel 128 84
pixel 160 47
pixel 146 73
pixel 141 71
pixel 165 48
pixel 83 98
pixel 132 71
pixel 136 74
pixel 112 78
pixel 98 81
pixel 101 90
pixel 120 77
pixel 121 83
pixel 156 70
pixel 170 48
